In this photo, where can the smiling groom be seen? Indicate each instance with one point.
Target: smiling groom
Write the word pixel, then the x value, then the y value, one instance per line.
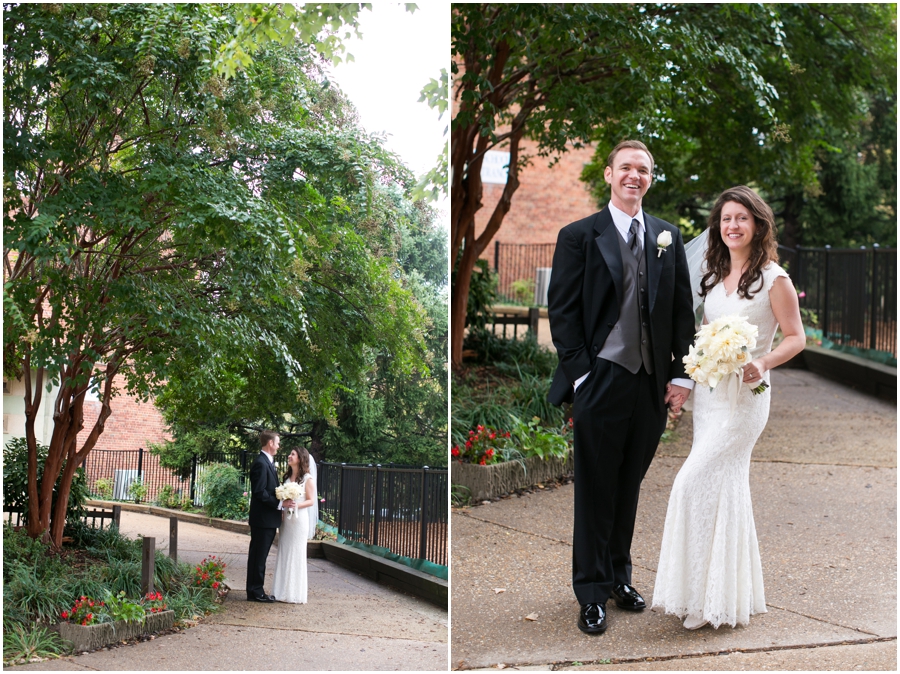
pixel 621 318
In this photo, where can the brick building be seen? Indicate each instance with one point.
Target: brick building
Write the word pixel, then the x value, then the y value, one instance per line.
pixel 547 200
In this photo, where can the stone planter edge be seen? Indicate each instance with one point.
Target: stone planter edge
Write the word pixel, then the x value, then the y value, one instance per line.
pixel 487 482
pixel 92 637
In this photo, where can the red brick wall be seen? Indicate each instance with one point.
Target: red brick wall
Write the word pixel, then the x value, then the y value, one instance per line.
pixel 132 424
pixel 547 200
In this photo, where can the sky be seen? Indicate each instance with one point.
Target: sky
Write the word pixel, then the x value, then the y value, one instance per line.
pixel 398 54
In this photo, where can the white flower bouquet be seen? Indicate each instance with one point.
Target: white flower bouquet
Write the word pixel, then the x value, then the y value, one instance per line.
pixel 289 491
pixel 722 348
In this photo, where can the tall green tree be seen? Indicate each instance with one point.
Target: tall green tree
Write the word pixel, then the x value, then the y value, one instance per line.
pixel 727 86
pixel 835 132
pixel 165 222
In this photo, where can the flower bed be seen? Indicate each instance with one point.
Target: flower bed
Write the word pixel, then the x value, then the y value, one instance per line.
pixel 91 637
pixel 486 482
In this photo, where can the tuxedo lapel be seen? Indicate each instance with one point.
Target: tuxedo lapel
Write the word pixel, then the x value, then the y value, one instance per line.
pixel 654 260
pixel 609 248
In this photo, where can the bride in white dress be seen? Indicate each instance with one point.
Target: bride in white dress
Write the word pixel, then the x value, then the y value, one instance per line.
pixel 709 566
pixel 290 583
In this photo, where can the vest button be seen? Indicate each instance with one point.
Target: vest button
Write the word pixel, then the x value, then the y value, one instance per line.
pixel 644 324
pixel 610 325
pixel 640 273
pixel 596 349
pixel 643 341
pixel 643 308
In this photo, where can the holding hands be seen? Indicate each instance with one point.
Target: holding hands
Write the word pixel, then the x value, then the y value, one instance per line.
pixel 676 396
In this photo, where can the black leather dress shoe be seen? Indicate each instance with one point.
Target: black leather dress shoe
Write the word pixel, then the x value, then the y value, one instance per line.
pixel 264 598
pixel 628 598
pixel 592 618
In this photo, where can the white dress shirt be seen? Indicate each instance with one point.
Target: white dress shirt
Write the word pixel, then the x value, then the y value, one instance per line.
pixel 622 221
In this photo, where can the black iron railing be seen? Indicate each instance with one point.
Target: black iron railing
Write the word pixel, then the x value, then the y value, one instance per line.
pixel 852 291
pixel 401 508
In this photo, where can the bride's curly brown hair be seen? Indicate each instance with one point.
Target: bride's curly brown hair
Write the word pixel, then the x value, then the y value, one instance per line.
pixel 303 455
pixel 763 247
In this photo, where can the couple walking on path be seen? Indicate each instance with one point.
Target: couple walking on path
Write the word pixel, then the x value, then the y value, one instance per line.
pixel 621 308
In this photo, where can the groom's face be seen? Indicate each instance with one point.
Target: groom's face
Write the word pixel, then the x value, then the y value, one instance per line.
pixel 629 178
pixel 272 447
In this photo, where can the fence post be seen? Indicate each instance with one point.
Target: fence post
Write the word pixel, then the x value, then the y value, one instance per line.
pixel 423 541
pixel 140 461
pixel 496 256
pixel 117 515
pixel 873 326
pixel 825 303
pixel 173 538
pixel 148 562
pixel 193 476
pixel 377 503
pixel 534 315
pixel 340 499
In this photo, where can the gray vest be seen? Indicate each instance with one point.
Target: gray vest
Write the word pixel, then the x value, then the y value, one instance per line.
pixel 628 343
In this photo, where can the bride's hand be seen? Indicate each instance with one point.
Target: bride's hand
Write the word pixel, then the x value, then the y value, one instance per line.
pixel 753 372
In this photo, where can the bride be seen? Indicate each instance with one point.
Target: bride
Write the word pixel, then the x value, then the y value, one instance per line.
pixel 290 583
pixel 709 567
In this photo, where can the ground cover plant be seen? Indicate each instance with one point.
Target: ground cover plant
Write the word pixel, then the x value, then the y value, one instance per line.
pixel 500 407
pixel 40 585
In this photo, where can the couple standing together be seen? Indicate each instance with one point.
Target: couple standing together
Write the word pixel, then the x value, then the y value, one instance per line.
pixel 621 307
pixel 268 513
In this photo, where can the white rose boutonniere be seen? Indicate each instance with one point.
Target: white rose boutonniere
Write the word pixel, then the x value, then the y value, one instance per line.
pixel 663 241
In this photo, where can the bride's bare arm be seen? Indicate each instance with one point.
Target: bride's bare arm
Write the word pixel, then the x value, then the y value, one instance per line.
pixel 786 308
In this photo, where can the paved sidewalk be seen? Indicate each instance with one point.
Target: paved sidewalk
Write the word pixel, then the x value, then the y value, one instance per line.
pixel 824 485
pixel 350 622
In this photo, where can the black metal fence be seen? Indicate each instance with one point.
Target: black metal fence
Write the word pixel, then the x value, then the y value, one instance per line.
pixel 404 509
pixel 518 263
pixel 852 291
pixel 96 519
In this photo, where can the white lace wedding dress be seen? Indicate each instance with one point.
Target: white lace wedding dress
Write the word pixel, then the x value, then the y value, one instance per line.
pixel 290 583
pixel 709 567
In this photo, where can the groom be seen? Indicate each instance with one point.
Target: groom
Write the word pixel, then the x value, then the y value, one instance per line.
pixel 620 313
pixel 265 514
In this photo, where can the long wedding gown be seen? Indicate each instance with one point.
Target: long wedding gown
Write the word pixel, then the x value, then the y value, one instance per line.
pixel 709 566
pixel 290 584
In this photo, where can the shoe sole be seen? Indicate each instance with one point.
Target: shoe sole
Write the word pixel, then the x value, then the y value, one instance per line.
pixel 630 608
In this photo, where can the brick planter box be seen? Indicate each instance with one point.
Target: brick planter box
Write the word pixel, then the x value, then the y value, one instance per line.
pixel 91 637
pixel 486 482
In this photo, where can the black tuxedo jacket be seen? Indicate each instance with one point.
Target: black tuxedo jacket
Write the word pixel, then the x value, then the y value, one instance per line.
pixel 585 293
pixel 264 512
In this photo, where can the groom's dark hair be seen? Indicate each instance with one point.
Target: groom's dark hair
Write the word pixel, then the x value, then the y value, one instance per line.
pixel 631 145
pixel 266 436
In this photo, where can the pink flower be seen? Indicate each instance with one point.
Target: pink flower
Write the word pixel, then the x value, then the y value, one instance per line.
pixel 801 295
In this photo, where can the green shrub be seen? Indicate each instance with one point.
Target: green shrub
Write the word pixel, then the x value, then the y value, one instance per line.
pixel 167 497
pixel 137 490
pixel 535 440
pixel 15 479
pixel 103 487
pixel 223 492
pixel 522 290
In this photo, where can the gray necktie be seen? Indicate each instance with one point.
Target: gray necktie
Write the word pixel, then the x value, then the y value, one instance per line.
pixel 635 246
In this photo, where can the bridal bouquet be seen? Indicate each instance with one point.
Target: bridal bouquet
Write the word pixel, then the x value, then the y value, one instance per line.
pixel 722 348
pixel 289 490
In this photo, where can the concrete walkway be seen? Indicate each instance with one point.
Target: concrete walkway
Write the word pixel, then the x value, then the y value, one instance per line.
pixel 350 622
pixel 824 485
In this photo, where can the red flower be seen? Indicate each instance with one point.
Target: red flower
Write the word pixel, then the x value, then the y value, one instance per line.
pixel 492 435
pixel 490 452
pixel 215 585
pixel 455 451
pixel 468 444
pixel 65 615
pixel 483 462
